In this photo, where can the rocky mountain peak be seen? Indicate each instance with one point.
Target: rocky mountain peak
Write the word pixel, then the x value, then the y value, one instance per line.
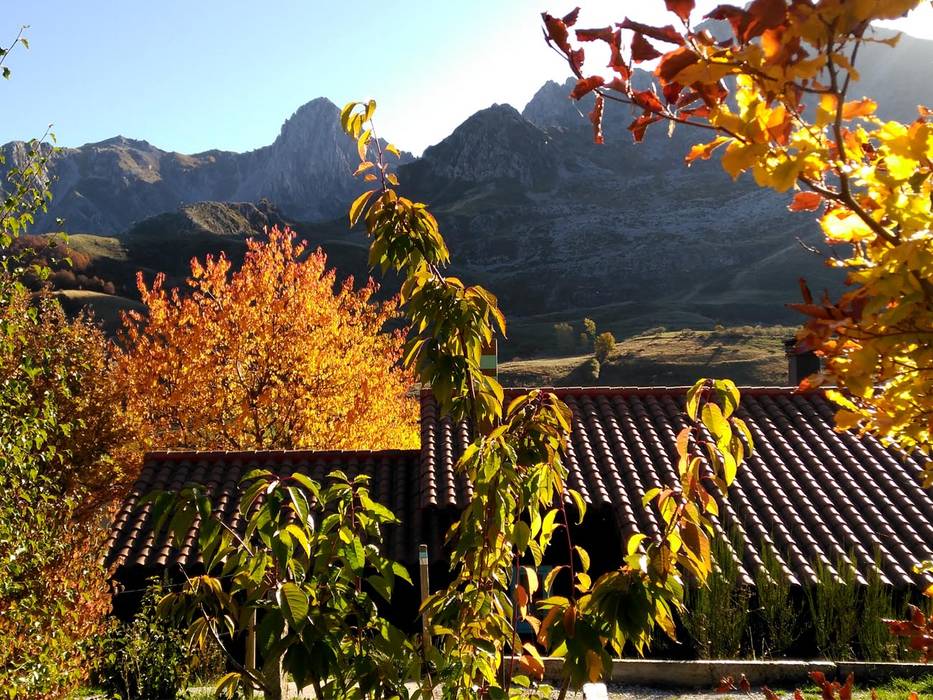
pixel 496 143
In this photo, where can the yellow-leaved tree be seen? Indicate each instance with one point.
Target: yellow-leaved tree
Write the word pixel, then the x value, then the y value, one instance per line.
pixel 277 354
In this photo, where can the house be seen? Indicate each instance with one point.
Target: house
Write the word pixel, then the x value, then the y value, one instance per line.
pixel 808 492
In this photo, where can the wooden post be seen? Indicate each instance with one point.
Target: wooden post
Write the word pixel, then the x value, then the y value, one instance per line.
pixel 425 591
pixel 251 650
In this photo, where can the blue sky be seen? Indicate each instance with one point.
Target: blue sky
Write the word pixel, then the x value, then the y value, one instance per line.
pixel 190 75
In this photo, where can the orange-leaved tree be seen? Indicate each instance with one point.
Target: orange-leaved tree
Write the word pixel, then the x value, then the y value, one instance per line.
pixel 276 354
pixel 775 98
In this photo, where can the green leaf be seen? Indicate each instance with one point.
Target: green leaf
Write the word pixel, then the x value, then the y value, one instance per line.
pixel 294 604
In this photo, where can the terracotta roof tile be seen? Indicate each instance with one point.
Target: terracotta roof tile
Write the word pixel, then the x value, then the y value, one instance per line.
pixel 393 482
pixel 808 492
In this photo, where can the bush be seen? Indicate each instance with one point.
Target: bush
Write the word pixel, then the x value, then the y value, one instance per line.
pixel 779 614
pixel 716 615
pixel 144 658
pixel 833 604
pixel 875 642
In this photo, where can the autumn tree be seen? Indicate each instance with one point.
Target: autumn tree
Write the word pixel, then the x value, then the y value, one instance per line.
pixel 778 98
pixel 604 344
pixel 276 354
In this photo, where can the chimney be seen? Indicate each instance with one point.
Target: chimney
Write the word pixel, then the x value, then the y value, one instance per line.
pixel 800 363
pixel 489 360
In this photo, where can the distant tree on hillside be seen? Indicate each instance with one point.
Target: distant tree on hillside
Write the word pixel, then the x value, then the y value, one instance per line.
pixel 277 354
pixel 565 341
pixel 604 345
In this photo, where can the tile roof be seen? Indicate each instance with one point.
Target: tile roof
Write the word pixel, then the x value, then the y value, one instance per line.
pixel 393 481
pixel 808 492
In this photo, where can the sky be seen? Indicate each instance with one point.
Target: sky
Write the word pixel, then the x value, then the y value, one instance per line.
pixel 192 75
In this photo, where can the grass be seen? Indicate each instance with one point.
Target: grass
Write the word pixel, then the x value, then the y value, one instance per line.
pixel 750 355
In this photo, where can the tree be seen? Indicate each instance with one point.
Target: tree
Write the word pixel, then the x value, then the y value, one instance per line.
pixel 605 343
pixel 59 431
pixel 519 502
pixel 775 99
pixel 563 334
pixel 275 354
pixel 588 336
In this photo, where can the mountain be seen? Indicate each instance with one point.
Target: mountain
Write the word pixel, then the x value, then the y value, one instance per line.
pixel 557 227
pixel 108 186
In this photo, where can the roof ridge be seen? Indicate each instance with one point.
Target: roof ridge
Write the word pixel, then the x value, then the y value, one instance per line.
pixel 181 454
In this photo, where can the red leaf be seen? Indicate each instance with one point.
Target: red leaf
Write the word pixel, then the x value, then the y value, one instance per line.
pixel 744 685
pixel 585 86
pixel 666 33
pixel 736 16
pixel 638 126
pixel 647 100
pixel 845 692
pixel 798 695
pixel 596 118
pixel 674 62
pixel 818 677
pixel 725 685
pixel 712 95
pixel 576 61
pixel 806 201
pixel 600 34
pixel 570 18
pixel 681 8
pixel 642 50
pixel 765 14
pixel 769 694
pixel 616 62
pixel 555 31
pixel 671 92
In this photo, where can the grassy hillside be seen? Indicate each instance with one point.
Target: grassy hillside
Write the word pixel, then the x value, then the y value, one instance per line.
pixel 750 355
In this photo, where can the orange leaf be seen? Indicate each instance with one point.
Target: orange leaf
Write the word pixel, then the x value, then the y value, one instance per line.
pixel 806 201
pixel 859 108
pixel 703 151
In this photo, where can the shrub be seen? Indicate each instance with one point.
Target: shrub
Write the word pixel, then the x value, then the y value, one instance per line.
pixel 146 657
pixel 875 642
pixel 779 614
pixel 717 614
pixel 833 604
pixel 592 369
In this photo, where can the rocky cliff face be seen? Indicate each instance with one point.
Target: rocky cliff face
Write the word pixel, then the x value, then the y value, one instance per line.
pixel 106 187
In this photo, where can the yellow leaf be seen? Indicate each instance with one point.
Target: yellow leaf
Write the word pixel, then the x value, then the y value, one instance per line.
pixel 844 226
pixel 356 209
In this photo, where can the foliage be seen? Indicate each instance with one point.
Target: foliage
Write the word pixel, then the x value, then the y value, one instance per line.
pixel 833 605
pixel 716 615
pixel 308 569
pixel 592 369
pixel 520 500
pixel 605 343
pixel 60 430
pixel 776 606
pixel 275 354
pixel 876 603
pixel 917 630
pixel 146 657
pixel 775 97
pixel 563 334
